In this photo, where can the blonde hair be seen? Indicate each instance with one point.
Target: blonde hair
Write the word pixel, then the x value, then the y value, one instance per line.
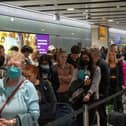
pixel 108 58
pixel 16 56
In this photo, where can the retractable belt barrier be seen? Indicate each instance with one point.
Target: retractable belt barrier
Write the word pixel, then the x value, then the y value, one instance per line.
pixel 77 112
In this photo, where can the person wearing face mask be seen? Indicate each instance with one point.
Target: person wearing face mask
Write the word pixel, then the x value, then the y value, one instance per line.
pixel 18 97
pixel 47 72
pixel 82 76
pixel 87 78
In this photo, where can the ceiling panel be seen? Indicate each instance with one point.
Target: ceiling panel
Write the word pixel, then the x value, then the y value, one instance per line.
pixel 94 11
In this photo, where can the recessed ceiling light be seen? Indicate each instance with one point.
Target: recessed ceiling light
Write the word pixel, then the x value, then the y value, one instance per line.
pixel 117 22
pixel 103 18
pixel 54 17
pixel 118 6
pixel 110 20
pixel 86 16
pixel 86 10
pixel 12 19
pixel 84 13
pixel 91 23
pixel 70 9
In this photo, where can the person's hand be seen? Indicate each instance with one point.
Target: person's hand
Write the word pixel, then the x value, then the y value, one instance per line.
pixel 86 98
pixel 87 82
pixel 5 122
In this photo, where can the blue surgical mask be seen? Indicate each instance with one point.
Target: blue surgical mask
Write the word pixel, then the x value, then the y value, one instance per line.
pixel 13 72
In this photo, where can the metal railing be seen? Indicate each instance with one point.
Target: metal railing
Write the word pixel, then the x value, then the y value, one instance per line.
pixel 84 110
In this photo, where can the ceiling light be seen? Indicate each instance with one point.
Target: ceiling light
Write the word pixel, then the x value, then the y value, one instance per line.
pixel 118 6
pixel 54 17
pixel 70 9
pixel 91 23
pixel 86 10
pixel 12 19
pixel 87 16
pixel 117 22
pixel 103 18
pixel 84 13
pixel 110 20
pixel 73 33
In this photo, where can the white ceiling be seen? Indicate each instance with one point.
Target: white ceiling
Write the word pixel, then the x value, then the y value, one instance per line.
pixel 106 12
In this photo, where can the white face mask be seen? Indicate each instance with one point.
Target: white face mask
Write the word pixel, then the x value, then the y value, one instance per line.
pixel 46 66
pixel 45 70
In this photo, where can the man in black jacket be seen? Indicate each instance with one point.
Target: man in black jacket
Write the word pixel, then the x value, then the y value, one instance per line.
pixel 103 86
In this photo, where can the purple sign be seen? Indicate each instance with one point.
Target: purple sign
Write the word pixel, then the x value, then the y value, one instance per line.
pixel 42 43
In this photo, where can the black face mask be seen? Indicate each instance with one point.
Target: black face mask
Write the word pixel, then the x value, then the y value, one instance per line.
pixel 84 62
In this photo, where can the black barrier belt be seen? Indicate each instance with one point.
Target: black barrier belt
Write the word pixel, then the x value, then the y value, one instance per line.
pixel 75 113
pixel 106 99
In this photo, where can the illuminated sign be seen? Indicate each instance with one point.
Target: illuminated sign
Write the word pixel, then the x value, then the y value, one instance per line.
pixel 42 43
pixel 102 33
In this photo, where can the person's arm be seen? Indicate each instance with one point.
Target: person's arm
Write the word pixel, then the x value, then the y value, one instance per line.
pixel 105 79
pixel 8 122
pixel 50 92
pixel 94 85
pixel 95 82
pixel 48 107
pixel 120 75
pixel 75 75
pixel 54 79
